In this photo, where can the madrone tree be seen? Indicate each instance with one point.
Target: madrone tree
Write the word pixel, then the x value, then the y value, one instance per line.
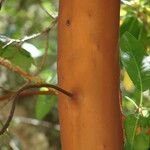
pixel 88 74
pixel 88 66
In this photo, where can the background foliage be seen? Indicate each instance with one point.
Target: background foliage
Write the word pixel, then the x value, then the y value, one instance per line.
pixel 135 73
pixel 35 124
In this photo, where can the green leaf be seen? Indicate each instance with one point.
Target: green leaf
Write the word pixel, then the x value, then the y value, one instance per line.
pixel 129 125
pixel 141 142
pixel 136 27
pixel 127 146
pixel 44 105
pixel 16 55
pixel 132 25
pixel 135 61
pixel 144 121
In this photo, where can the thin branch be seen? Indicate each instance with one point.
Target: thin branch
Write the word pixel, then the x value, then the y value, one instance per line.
pixel 5 90
pixel 22 73
pixel 1 3
pixel 49 28
pixel 5 104
pixel 19 42
pixel 32 121
pixel 45 10
pixel 54 87
pixel 43 61
pixel 27 93
pixel 9 98
pixel 27 87
pixel 19 71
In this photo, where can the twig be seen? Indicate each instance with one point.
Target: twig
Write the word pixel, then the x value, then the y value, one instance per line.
pixel 45 10
pixel 42 63
pixel 26 87
pixel 19 71
pixel 31 86
pixel 5 104
pixel 32 121
pixel 22 73
pixel 1 2
pixel 49 28
pixel 5 90
pixel 27 93
pixel 46 47
pixel 19 42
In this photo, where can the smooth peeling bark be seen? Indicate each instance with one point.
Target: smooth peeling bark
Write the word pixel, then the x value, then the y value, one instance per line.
pixel 88 66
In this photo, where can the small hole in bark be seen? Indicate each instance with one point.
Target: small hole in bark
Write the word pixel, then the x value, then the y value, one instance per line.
pixel 104 146
pixel 89 14
pixel 68 22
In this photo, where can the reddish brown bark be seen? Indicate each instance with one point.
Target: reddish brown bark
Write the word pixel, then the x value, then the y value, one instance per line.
pixel 88 66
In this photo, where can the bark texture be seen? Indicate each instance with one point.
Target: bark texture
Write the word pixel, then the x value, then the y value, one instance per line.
pixel 88 66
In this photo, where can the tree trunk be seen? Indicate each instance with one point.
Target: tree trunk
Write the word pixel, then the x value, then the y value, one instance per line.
pixel 88 66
